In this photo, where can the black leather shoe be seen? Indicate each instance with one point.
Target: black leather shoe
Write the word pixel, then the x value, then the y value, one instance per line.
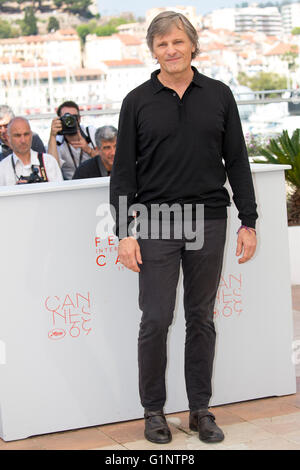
pixel 156 427
pixel 203 422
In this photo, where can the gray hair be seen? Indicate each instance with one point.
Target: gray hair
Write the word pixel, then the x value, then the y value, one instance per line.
pixel 105 133
pixel 4 110
pixel 162 23
pixel 13 120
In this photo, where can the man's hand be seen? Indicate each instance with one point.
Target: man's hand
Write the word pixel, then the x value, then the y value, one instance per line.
pixel 130 254
pixel 246 245
pixel 79 142
pixel 56 126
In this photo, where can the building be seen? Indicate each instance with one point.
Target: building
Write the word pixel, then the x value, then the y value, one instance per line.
pixel 188 11
pixel 62 46
pixel 290 16
pixel 115 47
pixel 266 20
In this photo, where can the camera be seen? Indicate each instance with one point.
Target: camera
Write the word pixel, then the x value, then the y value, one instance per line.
pixel 69 124
pixel 34 177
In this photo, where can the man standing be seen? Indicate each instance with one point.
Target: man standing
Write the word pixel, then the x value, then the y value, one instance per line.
pixel 25 165
pixel 175 132
pixel 101 164
pixel 73 146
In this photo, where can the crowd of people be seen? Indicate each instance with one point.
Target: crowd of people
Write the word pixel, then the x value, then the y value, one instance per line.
pixel 74 151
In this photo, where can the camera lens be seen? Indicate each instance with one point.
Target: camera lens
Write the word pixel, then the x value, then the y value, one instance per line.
pixel 70 121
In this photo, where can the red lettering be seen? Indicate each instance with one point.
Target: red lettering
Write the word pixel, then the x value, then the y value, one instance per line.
pixel 98 260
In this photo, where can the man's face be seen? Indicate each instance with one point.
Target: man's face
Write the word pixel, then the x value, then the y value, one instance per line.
pixel 20 137
pixel 173 51
pixel 3 128
pixel 107 152
pixel 72 111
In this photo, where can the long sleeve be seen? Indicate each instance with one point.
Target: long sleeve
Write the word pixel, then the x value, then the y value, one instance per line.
pixel 123 176
pixel 237 163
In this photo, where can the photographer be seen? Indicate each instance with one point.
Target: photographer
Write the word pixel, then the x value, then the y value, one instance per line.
pixel 6 115
pixel 70 142
pixel 25 165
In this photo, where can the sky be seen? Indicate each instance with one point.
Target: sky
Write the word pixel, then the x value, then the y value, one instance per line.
pixel 139 7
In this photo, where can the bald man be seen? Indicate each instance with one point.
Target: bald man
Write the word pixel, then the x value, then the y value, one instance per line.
pixel 25 165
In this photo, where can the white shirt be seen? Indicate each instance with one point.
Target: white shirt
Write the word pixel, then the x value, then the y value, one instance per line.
pixel 9 177
pixel 67 164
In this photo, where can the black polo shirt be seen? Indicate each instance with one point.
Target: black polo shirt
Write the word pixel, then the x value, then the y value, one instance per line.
pixel 172 150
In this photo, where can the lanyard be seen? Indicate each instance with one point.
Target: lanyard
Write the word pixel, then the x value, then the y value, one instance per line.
pixel 73 158
pixel 14 168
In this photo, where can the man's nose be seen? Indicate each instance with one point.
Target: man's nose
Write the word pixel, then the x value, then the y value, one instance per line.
pixel 171 50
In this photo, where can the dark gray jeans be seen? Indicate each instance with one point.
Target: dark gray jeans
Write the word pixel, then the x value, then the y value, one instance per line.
pixel 158 281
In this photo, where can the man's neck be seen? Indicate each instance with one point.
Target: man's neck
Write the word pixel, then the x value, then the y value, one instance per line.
pixel 178 82
pixel 25 158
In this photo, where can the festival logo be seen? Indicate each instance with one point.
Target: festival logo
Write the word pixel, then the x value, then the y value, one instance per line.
pixel 106 250
pixel 70 315
pixel 229 297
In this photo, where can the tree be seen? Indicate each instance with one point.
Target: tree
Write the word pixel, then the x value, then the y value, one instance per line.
pixel 263 81
pixel 83 30
pixel 53 24
pixel 296 30
pixel 75 6
pixel 7 31
pixel 29 23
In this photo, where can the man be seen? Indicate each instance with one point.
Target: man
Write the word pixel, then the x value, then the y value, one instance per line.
pixel 6 115
pixel 174 132
pixel 71 149
pixel 101 164
pixel 25 165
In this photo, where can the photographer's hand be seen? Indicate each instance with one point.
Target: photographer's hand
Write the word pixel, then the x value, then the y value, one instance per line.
pixel 81 143
pixel 56 126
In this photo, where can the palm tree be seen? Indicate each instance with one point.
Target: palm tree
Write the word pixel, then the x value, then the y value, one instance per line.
pixel 285 150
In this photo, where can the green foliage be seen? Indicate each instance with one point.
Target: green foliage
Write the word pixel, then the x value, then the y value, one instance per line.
pixel 92 27
pixel 75 6
pixel 296 30
pixel 263 81
pixel 53 24
pixel 29 23
pixel 83 30
pixel 106 30
pixel 7 31
pixel 285 150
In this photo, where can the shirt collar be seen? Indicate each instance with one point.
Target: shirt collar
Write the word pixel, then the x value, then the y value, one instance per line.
pixel 103 170
pixel 33 158
pixel 158 86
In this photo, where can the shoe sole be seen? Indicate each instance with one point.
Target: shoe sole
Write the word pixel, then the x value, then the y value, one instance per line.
pixel 157 442
pixel 209 439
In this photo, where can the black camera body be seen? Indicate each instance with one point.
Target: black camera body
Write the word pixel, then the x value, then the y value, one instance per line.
pixel 69 124
pixel 34 177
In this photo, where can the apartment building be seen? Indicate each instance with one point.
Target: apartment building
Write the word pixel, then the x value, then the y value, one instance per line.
pixel 290 16
pixel 62 46
pixel 115 47
pixel 266 20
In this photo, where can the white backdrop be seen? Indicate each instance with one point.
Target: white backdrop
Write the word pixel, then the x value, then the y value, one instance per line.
pixel 69 312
